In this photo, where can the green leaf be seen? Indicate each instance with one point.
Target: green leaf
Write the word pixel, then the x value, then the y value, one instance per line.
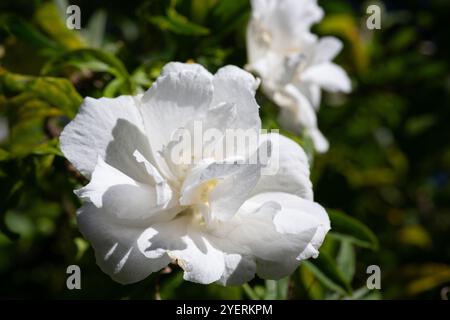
pixel 11 194
pixel 28 33
pixel 50 147
pixel 4 155
pixel 112 88
pixel 346 259
pixel 178 24
pixel 250 292
pixel 326 271
pixel 45 96
pixel 346 227
pixel 277 289
pixel 48 18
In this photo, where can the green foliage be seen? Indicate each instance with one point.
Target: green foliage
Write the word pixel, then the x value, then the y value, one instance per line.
pixel 328 273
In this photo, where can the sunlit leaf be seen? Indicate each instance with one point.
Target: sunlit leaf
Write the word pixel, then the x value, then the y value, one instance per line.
pixel 28 33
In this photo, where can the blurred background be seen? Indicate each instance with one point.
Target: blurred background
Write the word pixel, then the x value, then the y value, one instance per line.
pixel 385 178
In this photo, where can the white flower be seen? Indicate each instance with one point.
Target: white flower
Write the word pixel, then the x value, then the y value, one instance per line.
pixel 293 63
pixel 221 222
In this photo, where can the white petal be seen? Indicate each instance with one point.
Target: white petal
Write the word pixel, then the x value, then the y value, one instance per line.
pixel 329 76
pixel 292 175
pixel 226 198
pixel 109 128
pixel 115 245
pixel 252 233
pixel 258 43
pixel 166 197
pixel 298 114
pixel 270 234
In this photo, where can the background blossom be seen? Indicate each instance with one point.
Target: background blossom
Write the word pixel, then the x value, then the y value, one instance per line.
pixel 219 220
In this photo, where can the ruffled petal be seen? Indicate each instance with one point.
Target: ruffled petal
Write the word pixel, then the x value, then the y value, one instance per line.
pixel 112 190
pixel 109 128
pixel 297 111
pixel 201 261
pixel 290 229
pixel 287 21
pixel 326 49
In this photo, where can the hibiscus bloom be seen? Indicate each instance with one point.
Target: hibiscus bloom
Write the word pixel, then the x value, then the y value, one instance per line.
pixel 220 221
pixel 294 64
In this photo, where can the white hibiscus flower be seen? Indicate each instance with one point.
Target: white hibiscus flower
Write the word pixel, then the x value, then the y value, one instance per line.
pixel 219 221
pixel 293 63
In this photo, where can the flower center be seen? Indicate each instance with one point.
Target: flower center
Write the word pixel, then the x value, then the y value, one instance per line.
pixel 198 204
pixel 206 189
